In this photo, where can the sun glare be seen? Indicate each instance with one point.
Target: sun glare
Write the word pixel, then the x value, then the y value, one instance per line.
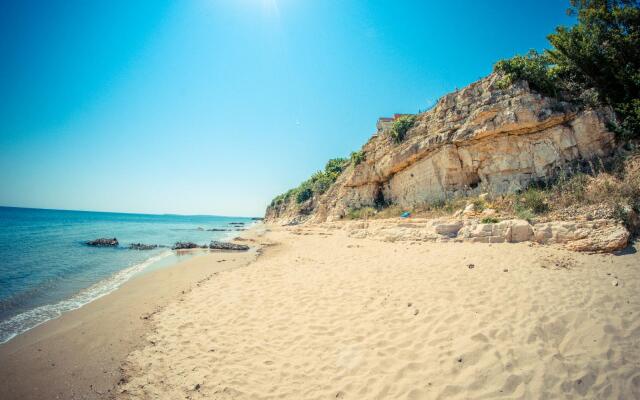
pixel 270 7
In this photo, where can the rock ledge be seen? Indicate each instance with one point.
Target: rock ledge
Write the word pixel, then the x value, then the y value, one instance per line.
pixel 215 245
pixel 600 236
pixel 103 242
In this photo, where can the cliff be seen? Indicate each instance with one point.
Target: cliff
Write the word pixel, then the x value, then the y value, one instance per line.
pixel 482 138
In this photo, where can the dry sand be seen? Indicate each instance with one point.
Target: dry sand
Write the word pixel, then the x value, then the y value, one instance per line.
pixel 78 356
pixel 324 316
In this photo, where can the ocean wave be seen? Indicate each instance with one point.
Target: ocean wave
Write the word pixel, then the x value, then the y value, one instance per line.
pixel 27 320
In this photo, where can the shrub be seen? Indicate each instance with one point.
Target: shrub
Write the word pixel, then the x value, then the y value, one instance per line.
pixel 489 220
pixel 319 183
pixel 400 127
pixel 479 204
pixel 524 213
pixel 629 125
pixel 441 206
pixel 624 214
pixel 533 68
pixel 282 198
pixel 361 213
pixel 357 157
pixel 613 191
pixel 335 166
pixel 592 62
pixel 535 200
pixel 304 192
pixel 447 206
pixel 437 204
pixel 570 190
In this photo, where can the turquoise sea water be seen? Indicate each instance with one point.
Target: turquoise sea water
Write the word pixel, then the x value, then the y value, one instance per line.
pixel 47 269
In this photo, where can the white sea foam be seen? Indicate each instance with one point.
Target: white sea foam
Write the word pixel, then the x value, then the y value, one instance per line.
pixel 228 236
pixel 32 318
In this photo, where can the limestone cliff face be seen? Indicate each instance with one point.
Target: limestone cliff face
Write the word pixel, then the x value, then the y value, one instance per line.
pixel 478 139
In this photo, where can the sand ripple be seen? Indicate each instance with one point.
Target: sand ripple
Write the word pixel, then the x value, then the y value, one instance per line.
pixel 329 317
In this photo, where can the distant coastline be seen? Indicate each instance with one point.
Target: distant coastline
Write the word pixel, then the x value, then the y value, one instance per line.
pixel 255 218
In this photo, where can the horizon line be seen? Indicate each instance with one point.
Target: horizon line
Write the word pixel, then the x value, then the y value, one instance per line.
pixel 131 213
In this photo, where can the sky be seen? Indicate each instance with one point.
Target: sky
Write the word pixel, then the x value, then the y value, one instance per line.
pixel 217 106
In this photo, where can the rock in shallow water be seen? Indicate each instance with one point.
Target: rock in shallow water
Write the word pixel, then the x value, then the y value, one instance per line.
pixel 186 245
pixel 142 246
pixel 103 242
pixel 228 246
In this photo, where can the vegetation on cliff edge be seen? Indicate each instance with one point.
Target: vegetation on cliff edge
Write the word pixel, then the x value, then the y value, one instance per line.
pixel 400 127
pixel 595 62
pixel 319 183
pixel 357 157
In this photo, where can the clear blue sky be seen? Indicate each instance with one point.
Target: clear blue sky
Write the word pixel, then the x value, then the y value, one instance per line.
pixel 215 107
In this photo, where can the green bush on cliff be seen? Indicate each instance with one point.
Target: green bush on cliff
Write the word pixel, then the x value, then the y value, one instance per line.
pixel 319 183
pixel 596 61
pixel 629 125
pixel 282 198
pixel 533 68
pixel 400 127
pixel 535 200
pixel 304 192
pixel 357 157
pixel 334 167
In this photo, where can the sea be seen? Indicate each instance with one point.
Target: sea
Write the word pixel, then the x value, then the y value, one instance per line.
pixel 46 267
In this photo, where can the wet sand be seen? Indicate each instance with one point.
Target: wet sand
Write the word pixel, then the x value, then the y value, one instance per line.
pixel 78 355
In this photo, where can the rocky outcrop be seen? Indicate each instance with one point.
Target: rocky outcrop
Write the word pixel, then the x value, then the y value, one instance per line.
pixel 103 242
pixel 478 139
pixel 142 246
pixel 589 236
pixel 592 236
pixel 215 245
pixel 187 245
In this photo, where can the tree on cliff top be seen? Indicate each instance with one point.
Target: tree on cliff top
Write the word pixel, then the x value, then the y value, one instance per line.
pixel 596 61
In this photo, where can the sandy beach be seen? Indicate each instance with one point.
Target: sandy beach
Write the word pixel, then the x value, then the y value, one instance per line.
pixel 79 355
pixel 323 316
pixel 320 200
pixel 317 315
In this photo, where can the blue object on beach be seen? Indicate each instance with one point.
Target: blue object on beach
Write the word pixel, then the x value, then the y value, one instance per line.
pixel 405 214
